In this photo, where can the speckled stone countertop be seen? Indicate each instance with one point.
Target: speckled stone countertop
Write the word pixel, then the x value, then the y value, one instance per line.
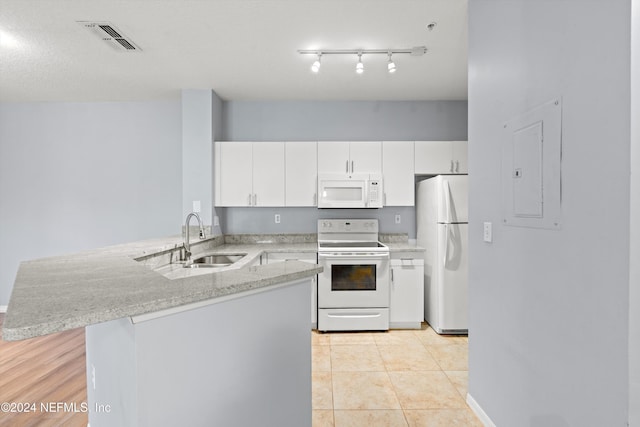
pixel 399 243
pixel 65 292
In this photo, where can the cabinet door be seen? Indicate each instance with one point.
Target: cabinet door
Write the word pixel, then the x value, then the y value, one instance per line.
pixel 333 157
pixel 397 171
pixel 301 172
pixel 268 173
pixel 235 175
pixel 433 157
pixel 460 149
pixel 406 293
pixel 365 157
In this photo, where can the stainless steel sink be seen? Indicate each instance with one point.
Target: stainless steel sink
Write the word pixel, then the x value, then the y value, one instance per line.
pixel 214 261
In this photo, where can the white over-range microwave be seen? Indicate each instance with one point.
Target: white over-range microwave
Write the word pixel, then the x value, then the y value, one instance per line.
pixel 349 191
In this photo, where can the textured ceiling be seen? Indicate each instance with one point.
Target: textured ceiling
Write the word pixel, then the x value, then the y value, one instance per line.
pixel 242 49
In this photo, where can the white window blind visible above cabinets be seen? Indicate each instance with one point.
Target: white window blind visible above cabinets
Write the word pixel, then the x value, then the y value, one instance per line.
pixel 398 173
pixel 249 173
pixel 440 157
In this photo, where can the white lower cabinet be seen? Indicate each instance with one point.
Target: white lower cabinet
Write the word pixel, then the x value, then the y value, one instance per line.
pixel 406 292
pixel 310 257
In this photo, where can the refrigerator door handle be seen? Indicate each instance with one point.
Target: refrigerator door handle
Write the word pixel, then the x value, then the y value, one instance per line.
pixel 447 197
pixel 446 245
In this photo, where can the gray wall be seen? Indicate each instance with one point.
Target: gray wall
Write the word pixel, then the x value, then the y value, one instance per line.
pixel 548 309
pixel 344 120
pixel 634 255
pixel 201 124
pixel 335 120
pixel 75 176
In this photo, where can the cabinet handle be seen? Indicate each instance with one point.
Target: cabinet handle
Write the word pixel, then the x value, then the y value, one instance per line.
pixel 392 275
pixel 457 165
pixel 347 166
pixel 315 198
pixel 249 200
pixel 385 199
pixel 255 200
pixel 451 168
pixel 351 166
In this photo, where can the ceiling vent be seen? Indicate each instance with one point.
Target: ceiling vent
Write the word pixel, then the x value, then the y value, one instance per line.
pixel 114 37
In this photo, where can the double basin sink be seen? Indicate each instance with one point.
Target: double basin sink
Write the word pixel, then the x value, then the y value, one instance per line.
pixel 214 261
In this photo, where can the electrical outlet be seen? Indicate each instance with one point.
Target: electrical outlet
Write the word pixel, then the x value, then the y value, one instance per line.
pixel 196 206
pixel 277 218
pixel 487 232
pixel 397 218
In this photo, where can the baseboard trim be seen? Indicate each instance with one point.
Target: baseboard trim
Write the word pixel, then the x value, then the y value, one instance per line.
pixel 482 416
pixel 3 308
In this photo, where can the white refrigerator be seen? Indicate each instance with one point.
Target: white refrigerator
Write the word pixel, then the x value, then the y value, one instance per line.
pixel 442 229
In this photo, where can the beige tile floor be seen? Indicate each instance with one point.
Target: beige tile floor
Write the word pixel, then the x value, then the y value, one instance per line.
pixel 406 378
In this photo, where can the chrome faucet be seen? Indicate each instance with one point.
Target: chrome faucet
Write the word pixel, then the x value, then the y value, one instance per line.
pixel 187 245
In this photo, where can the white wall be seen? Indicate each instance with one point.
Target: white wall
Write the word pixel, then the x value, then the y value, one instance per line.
pixel 634 255
pixel 549 309
pixel 75 176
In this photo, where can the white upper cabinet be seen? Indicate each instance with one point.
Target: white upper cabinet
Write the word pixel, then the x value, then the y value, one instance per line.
pixel 333 157
pixel 268 174
pixel 397 170
pixel 301 173
pixel 349 157
pixel 234 173
pixel 249 173
pixel 366 156
pixel 460 153
pixel 440 157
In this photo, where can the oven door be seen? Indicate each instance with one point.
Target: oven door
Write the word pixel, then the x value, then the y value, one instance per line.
pixel 352 280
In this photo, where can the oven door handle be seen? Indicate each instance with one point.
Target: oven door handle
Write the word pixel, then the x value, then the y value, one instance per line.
pixel 354 255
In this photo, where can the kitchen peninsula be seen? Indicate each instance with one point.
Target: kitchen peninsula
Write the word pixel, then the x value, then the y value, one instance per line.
pixel 178 347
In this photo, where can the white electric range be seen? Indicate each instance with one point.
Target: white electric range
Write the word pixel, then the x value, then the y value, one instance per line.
pixel 353 289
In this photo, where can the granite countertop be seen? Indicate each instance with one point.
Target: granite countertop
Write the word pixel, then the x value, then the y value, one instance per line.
pixel 404 247
pixel 65 292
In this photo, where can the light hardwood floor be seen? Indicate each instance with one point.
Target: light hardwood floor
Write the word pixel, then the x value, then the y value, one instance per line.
pixel 44 371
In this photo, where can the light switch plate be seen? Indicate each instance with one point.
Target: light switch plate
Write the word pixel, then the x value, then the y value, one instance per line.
pixel 196 206
pixel 487 232
pixel 398 218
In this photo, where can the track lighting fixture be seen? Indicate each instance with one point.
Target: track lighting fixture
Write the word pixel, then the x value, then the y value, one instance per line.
pixel 391 65
pixel 316 65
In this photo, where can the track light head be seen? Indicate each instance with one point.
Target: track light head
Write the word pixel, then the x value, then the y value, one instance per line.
pixel 391 66
pixel 315 67
pixel 359 65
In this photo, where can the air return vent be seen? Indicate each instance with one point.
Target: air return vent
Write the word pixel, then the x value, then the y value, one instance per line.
pixel 108 33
